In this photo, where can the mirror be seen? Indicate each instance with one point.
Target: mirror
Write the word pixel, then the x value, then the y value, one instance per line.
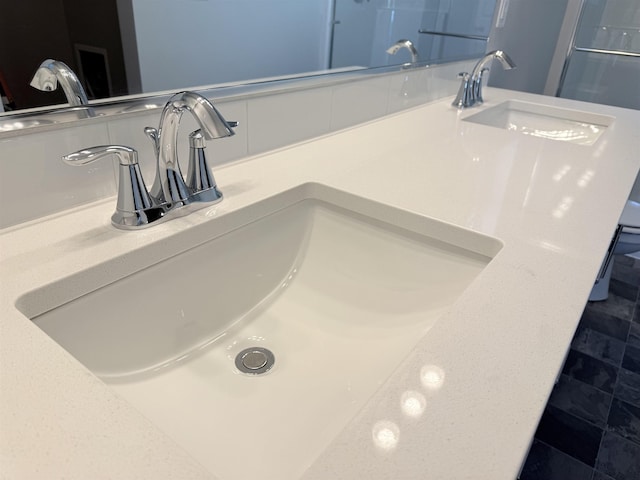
pixel 125 47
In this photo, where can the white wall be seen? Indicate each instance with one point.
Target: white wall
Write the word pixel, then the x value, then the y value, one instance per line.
pixel 129 45
pixel 184 43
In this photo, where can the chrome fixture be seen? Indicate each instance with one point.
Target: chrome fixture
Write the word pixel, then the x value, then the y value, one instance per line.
pixel 139 208
pixel 408 44
pixel 169 186
pixel 199 175
pixel 255 360
pixel 470 92
pixel 481 67
pixel 50 72
pixel 465 92
pixel 134 206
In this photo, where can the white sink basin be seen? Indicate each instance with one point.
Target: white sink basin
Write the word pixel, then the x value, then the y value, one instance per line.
pixel 337 287
pixel 561 124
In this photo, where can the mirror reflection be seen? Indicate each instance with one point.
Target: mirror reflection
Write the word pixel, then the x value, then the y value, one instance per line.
pixel 125 47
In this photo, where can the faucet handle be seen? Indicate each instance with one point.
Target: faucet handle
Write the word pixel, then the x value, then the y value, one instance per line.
pixel 465 92
pixel 152 134
pixel 200 179
pixel 126 156
pixel 134 207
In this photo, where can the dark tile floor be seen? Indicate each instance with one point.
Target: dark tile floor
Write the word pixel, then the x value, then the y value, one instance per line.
pixel 590 429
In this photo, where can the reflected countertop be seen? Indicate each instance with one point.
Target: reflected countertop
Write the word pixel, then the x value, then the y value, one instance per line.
pixel 465 402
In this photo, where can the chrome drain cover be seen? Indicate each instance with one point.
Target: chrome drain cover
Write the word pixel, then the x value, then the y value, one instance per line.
pixel 255 360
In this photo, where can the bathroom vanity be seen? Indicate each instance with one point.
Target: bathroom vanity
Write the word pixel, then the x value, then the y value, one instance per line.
pixel 514 201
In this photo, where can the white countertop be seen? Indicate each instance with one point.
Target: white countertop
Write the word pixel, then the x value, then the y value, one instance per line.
pixel 554 206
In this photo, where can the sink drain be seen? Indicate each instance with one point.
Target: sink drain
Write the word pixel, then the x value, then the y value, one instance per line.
pixel 255 360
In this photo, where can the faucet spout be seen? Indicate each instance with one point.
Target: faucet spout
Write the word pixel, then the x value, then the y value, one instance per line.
pixel 404 43
pixel 499 55
pixel 169 186
pixel 470 92
pixel 481 67
pixel 51 72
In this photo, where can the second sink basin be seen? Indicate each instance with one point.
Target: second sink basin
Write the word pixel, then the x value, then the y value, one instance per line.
pixel 337 287
pixel 561 124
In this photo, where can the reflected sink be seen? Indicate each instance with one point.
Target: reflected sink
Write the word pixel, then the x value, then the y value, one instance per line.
pixel 337 287
pixel 553 123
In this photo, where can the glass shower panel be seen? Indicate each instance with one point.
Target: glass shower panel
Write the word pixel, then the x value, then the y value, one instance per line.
pixel 608 79
pixel 610 25
pixel 448 49
pixel 364 29
pixel 469 18
pixel 603 65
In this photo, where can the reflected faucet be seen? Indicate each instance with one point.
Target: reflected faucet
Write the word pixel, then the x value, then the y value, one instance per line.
pixel 470 92
pixel 408 44
pixel 50 72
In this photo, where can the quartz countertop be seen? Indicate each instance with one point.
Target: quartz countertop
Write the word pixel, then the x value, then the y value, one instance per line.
pixel 498 350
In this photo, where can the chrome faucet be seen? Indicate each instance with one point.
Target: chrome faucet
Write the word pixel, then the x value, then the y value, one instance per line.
pixel 169 185
pixel 408 44
pixel 170 195
pixel 50 72
pixel 134 207
pixel 470 92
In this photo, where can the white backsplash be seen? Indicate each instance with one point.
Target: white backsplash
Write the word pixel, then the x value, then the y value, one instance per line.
pixel 282 119
pixel 34 182
pixel 351 103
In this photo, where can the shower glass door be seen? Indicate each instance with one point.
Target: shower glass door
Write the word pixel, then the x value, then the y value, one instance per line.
pixel 603 65
pixel 441 30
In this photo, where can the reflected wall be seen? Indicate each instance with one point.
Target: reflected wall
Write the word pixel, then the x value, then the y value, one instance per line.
pixel 188 43
pixel 125 47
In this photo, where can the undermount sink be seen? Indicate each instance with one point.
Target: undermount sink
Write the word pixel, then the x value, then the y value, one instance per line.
pixel 553 123
pixel 337 287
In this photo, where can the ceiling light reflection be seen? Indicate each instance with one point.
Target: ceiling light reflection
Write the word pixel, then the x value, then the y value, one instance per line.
pixel 288 280
pixel 413 404
pixel 551 247
pixel 386 435
pixel 561 173
pixel 586 177
pixel 563 207
pixel 432 377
